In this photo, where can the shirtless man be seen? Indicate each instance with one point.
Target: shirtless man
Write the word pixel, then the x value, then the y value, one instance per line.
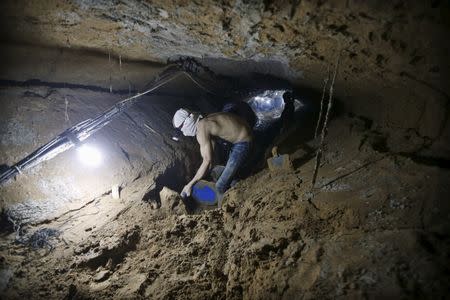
pixel 226 126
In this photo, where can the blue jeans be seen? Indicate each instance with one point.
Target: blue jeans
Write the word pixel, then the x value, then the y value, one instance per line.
pixel 238 154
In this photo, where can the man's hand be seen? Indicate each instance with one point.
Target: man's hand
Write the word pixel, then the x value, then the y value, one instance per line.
pixel 186 192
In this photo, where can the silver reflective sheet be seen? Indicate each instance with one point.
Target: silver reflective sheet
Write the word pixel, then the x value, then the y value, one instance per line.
pixel 267 106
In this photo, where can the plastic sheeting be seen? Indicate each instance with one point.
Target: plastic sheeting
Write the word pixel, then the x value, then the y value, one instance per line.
pixel 268 107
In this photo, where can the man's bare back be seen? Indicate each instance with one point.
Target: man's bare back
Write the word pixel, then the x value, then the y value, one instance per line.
pixel 227 126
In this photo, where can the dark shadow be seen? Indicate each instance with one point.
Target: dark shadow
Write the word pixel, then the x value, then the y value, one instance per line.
pixel 60 85
pixel 354 171
pixel 172 178
pixel 3 168
pixel 6 225
pixel 427 160
pixel 296 163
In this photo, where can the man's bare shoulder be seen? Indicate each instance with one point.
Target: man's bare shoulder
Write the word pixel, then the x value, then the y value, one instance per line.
pixel 223 116
pixel 205 123
pixel 227 126
pixel 204 127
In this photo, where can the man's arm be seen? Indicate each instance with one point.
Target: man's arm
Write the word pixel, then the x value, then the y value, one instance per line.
pixel 204 140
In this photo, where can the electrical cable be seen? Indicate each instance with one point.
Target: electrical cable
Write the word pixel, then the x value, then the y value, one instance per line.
pixel 198 84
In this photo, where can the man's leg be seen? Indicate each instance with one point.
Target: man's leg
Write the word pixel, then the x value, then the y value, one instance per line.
pixel 237 156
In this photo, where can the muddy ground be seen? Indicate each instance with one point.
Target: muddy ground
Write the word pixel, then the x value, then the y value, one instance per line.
pixel 375 225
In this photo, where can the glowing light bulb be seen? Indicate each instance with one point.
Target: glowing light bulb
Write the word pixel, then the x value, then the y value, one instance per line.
pixel 89 156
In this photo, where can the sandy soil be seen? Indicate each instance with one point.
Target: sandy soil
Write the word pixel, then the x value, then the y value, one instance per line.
pixel 376 225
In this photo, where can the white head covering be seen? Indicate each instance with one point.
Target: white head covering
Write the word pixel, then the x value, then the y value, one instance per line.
pixel 187 120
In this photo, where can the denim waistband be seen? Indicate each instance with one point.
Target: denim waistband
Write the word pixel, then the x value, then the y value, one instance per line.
pixel 242 143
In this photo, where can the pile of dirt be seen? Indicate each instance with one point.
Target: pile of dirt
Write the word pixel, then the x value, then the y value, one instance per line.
pixel 375 225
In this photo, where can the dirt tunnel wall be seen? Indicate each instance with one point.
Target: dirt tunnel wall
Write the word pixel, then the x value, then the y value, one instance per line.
pixel 45 91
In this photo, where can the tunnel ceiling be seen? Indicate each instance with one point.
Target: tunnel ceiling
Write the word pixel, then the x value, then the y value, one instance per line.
pixel 393 67
pixel 377 36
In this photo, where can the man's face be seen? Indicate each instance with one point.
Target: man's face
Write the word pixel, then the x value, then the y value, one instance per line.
pixel 186 121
